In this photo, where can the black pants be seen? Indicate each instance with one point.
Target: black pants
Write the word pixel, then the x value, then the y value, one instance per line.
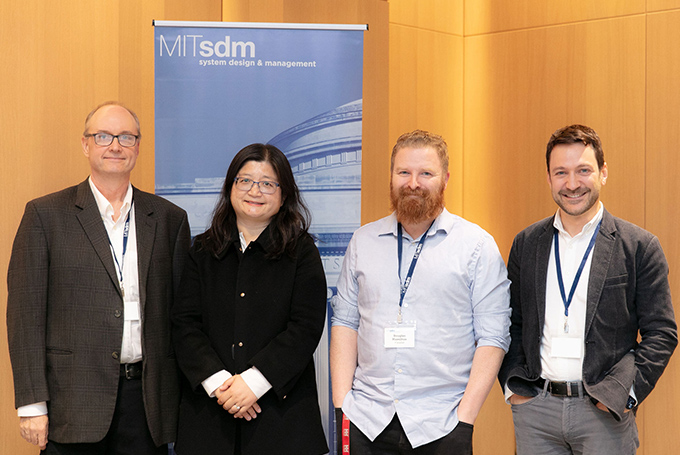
pixel 393 441
pixel 128 434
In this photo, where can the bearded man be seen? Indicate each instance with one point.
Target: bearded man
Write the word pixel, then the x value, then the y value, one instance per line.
pixel 421 319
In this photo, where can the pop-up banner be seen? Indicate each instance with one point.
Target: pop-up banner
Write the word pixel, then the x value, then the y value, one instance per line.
pixel 221 86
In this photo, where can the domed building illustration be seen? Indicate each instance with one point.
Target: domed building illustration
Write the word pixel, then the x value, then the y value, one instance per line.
pixel 325 154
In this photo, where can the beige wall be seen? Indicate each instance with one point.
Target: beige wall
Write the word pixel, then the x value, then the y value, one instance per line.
pixel 495 78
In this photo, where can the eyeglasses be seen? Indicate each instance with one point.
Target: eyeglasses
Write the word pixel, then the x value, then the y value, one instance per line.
pixel 265 186
pixel 106 139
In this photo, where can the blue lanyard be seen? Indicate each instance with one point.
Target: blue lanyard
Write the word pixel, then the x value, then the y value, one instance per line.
pixel 560 281
pixel 126 234
pixel 405 284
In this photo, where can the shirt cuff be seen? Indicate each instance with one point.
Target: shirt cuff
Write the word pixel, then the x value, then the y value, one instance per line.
pixel 508 394
pixel 33 410
pixel 256 381
pixel 632 394
pixel 215 381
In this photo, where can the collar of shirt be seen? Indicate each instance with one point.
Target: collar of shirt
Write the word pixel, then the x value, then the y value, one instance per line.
pixel 105 207
pixel 265 240
pixel 587 229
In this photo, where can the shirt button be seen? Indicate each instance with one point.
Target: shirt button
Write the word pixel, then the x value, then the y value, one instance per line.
pixel 406 305
pixel 399 370
pixel 396 401
pixel 243 294
pixel 114 354
pixel 240 344
pixel 117 313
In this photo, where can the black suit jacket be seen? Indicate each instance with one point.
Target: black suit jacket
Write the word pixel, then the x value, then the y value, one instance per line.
pixel 628 292
pixel 64 312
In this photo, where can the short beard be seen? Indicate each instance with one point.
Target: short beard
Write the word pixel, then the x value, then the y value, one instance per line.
pixel 413 210
pixel 593 198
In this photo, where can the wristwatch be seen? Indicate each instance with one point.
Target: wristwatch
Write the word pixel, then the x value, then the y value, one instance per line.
pixel 631 403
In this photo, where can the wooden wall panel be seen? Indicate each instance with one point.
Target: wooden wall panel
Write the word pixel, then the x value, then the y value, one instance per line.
pixel 520 87
pixel 375 154
pixel 661 5
pixel 426 92
pixel 486 16
pixel 661 420
pixel 436 15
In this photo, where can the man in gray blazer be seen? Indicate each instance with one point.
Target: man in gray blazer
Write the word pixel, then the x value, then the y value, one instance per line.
pixel 91 279
pixel 585 284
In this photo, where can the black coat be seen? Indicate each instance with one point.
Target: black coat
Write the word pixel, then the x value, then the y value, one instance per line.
pixel 244 310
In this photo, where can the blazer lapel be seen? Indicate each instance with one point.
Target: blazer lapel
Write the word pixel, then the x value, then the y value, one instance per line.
pixel 145 225
pixel 602 257
pixel 543 244
pixel 91 221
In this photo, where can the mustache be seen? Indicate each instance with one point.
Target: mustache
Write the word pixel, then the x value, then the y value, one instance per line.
pixel 406 191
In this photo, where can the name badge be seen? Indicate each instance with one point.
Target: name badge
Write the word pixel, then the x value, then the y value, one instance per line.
pixel 570 348
pixel 401 336
pixel 131 311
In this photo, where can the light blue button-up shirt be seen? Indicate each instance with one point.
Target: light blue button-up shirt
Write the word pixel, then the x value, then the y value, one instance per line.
pixel 458 299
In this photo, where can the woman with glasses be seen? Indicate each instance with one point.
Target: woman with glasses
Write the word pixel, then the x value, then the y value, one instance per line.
pixel 250 314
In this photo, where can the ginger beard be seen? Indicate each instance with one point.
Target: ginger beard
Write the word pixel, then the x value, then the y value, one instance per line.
pixel 414 206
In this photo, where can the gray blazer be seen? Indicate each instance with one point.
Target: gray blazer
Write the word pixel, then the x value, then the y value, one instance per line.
pixel 64 312
pixel 628 292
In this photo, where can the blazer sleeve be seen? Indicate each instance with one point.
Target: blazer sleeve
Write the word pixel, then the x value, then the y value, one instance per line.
pixel 182 244
pixel 285 357
pixel 515 359
pixel 27 285
pixel 656 321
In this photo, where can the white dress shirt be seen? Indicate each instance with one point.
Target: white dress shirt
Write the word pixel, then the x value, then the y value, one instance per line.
pixel 554 366
pixel 131 348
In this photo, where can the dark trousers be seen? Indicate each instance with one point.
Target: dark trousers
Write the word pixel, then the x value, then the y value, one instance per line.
pixel 128 434
pixel 393 441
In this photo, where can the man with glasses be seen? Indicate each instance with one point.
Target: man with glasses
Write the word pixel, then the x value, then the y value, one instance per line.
pixel 421 318
pixel 91 279
pixel 592 319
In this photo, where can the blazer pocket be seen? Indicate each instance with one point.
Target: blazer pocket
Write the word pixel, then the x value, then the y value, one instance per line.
pixel 58 351
pixel 616 280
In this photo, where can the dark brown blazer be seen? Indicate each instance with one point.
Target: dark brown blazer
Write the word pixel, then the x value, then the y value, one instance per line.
pixel 628 293
pixel 64 312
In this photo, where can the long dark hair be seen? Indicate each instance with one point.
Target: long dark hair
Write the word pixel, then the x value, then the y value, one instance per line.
pixel 291 221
